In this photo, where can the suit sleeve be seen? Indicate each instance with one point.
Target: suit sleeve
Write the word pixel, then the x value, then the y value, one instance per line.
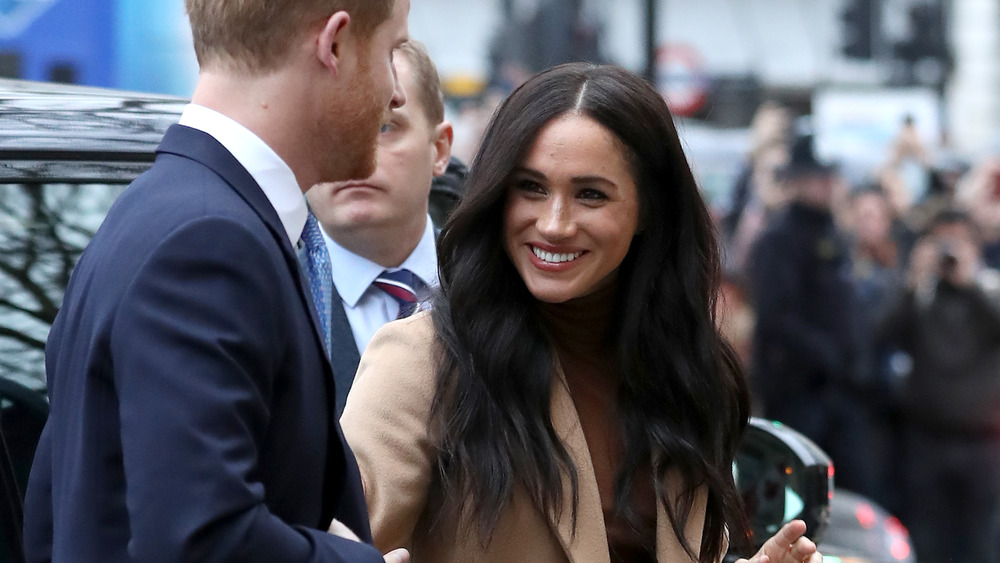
pixel 386 424
pixel 194 345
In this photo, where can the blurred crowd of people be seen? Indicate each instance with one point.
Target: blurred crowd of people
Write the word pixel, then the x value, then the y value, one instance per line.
pixel 271 351
pixel 868 317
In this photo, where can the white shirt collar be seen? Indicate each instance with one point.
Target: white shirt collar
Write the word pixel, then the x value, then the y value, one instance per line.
pixel 353 275
pixel 272 174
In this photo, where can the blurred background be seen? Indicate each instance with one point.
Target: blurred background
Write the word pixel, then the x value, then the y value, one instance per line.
pixel 856 66
pixel 899 286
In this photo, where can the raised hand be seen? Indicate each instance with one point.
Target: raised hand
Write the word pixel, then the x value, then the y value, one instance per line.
pixel 789 545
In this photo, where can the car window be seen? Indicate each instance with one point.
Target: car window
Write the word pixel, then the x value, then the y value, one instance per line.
pixel 43 230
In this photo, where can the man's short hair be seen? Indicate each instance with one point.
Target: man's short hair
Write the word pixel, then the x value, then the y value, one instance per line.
pixel 426 79
pixel 257 35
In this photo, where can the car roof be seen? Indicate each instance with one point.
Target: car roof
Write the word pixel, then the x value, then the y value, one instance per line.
pixel 59 132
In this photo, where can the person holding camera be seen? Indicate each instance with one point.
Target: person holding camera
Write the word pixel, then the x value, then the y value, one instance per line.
pixel 948 321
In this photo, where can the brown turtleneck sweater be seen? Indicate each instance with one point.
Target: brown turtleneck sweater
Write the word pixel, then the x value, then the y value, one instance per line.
pixel 580 332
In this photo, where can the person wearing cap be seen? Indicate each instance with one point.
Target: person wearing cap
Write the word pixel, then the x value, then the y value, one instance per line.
pixel 805 350
pixel 446 191
pixel 377 230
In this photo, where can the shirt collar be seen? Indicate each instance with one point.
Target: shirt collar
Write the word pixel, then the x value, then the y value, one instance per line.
pixel 353 274
pixel 271 173
pixel 423 260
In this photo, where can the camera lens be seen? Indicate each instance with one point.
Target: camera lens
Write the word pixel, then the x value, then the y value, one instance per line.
pixel 948 260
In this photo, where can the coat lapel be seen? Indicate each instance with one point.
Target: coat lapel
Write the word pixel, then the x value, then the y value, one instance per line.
pixel 588 543
pixel 668 547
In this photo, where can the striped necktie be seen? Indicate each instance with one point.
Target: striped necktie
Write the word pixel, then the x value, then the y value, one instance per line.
pixel 315 261
pixel 404 286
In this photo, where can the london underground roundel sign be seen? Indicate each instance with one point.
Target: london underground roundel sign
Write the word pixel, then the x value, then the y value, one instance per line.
pixel 681 79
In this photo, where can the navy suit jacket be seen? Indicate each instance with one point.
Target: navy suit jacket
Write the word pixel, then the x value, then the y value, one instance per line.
pixel 192 404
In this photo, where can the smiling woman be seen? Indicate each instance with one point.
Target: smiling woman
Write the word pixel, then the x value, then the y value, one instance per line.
pixel 569 397
pixel 572 210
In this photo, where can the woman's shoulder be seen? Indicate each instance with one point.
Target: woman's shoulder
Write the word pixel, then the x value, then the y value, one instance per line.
pixel 413 332
pixel 400 354
pixel 386 422
pixel 397 373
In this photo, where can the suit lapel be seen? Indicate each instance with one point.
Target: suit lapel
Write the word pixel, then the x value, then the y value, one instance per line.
pixel 202 147
pixel 344 348
pixel 589 542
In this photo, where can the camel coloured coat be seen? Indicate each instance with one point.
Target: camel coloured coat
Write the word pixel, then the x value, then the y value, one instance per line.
pixel 386 422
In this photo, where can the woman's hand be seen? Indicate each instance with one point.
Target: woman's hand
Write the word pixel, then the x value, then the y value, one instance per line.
pixel 789 545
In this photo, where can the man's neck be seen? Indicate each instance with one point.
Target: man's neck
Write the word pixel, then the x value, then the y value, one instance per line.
pixel 255 103
pixel 387 246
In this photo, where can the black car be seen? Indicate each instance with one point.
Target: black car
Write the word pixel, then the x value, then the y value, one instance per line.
pixel 67 152
pixel 783 475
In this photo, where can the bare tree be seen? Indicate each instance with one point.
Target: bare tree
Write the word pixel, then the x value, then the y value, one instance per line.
pixel 43 230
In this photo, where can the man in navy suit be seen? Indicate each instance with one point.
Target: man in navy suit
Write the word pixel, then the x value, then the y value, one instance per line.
pixel 193 413
pixel 380 225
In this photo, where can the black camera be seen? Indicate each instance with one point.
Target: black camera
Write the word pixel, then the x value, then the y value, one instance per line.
pixel 947 258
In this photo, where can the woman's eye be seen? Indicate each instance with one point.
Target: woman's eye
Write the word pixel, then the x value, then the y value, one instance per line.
pixel 527 185
pixel 593 195
pixel 386 127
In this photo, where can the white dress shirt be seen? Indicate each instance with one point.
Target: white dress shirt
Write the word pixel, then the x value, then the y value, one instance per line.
pixel 368 307
pixel 275 178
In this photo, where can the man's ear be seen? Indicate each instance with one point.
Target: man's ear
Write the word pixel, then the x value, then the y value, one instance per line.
pixel 444 134
pixel 332 39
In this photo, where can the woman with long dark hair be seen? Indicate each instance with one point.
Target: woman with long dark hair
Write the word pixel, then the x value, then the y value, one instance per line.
pixel 569 397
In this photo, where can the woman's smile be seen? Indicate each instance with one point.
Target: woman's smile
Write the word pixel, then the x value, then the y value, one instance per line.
pixel 572 210
pixel 554 257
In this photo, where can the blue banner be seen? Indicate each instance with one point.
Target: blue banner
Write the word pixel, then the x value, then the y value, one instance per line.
pixel 153 45
pixel 69 40
pixel 142 45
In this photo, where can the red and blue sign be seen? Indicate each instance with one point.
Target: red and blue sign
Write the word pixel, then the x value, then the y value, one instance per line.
pixel 680 78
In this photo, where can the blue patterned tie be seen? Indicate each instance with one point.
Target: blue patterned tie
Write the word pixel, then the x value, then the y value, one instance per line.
pixel 316 261
pixel 404 286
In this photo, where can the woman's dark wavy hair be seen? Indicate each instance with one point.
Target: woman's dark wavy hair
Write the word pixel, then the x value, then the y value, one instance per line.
pixel 683 399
